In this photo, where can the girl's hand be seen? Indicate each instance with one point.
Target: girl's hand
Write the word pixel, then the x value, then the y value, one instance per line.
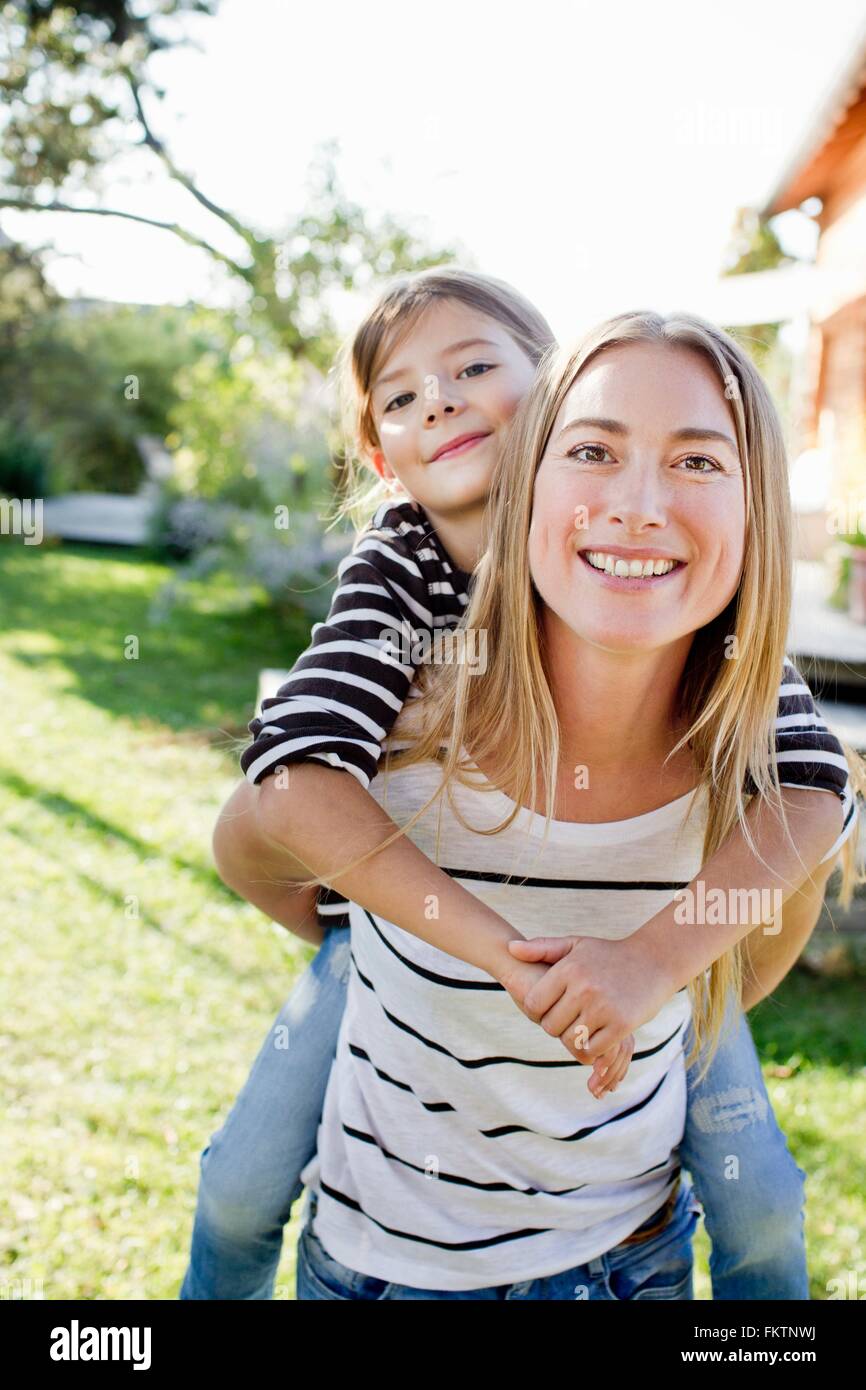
pixel 611 1067
pixel 520 978
pixel 607 989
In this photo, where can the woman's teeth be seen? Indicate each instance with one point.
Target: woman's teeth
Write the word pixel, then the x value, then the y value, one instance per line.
pixel 628 569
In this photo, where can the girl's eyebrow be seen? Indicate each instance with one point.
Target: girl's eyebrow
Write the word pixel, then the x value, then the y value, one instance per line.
pixel 455 347
pixel 599 422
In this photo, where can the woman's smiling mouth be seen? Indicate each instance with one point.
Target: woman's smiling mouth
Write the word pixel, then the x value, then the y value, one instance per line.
pixel 623 580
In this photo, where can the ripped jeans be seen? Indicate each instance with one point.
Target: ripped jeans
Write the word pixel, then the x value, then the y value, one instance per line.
pixel 747 1181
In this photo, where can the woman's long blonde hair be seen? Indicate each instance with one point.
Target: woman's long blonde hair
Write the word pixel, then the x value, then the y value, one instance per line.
pixel 730 705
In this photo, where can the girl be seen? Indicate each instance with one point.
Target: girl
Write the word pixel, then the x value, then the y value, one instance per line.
pixel 341 695
pixel 458 1155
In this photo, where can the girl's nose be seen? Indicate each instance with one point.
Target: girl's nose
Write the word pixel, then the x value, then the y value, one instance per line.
pixel 446 410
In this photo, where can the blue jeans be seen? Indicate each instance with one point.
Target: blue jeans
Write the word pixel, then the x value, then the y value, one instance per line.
pixel 750 1187
pixel 747 1181
pixel 659 1267
pixel 250 1170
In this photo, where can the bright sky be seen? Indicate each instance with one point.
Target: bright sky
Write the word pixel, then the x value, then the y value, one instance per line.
pixel 593 154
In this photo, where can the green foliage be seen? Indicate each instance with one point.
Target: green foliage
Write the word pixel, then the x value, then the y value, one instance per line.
pixel 79 95
pixel 96 379
pixel 23 463
pixel 754 245
pixel 250 424
pixel 295 565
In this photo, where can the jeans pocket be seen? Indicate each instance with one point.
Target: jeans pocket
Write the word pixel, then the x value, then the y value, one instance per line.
pixel 326 1278
pixel 311 1282
pixel 661 1267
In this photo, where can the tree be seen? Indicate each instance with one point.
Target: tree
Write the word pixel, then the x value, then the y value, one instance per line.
pixel 79 97
pixel 754 245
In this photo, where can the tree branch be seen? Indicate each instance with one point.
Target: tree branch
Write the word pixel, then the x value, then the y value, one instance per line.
pixel 154 143
pixel 27 205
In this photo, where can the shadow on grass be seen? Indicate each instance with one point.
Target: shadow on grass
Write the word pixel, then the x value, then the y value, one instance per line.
pixel 219 962
pixel 59 805
pixel 196 669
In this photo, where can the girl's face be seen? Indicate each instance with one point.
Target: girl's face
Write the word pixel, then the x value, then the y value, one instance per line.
pixel 457 373
pixel 642 457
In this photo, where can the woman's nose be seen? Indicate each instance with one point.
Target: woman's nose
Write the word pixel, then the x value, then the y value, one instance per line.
pixel 639 498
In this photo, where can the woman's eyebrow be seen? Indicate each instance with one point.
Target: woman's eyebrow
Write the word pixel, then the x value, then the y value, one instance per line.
pixel 695 432
pixel 455 347
pixel 600 422
pixel 595 422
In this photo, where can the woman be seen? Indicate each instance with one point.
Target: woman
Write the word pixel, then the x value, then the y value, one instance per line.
pixel 460 1154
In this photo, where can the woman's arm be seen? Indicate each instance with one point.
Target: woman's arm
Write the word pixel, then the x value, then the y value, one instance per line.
pixel 738 876
pixel 251 867
pixel 769 958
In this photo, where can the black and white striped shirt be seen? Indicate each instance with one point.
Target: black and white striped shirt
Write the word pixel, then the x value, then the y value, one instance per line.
pixel 397 588
pixel 459 1145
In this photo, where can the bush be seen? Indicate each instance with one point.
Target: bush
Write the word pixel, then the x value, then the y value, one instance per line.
pixel 24 461
pixel 295 566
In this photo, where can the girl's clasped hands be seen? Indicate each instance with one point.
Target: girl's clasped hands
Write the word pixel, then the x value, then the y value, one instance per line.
pixel 591 993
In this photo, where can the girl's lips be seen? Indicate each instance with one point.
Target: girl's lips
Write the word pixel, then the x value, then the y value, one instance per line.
pixel 615 581
pixel 461 448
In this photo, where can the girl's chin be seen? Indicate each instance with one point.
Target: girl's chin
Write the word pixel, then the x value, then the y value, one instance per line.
pixel 472 493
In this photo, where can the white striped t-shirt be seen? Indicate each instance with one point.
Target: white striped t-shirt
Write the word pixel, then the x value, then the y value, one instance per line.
pixel 344 693
pixel 459 1146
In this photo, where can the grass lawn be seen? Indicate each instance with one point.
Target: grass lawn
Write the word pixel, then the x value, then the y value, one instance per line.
pixel 137 989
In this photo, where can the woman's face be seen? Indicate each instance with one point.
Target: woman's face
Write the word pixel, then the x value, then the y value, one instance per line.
pixel 642 457
pixel 456 373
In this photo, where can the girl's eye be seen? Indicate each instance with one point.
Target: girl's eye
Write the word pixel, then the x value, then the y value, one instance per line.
pixel 591 448
pixel 487 366
pixel 405 395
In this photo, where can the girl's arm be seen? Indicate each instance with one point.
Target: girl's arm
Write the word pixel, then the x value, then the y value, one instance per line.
pixel 326 727
pixel 755 891
pixel 616 986
pixel 813 771
pixel 323 818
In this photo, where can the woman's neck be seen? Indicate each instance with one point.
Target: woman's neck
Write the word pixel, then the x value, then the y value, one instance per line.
pixel 616 709
pixel 618 723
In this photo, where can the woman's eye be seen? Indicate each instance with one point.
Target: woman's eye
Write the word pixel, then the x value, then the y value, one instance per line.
pixel 589 449
pixel 700 458
pixel 406 395
pixel 485 366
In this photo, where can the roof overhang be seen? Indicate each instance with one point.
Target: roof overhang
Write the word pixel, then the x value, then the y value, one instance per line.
pixel 838 126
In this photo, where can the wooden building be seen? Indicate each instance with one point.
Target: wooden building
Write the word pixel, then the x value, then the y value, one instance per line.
pixel 830 165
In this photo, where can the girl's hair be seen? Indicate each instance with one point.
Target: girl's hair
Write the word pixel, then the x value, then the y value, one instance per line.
pixel 730 705
pixel 361 357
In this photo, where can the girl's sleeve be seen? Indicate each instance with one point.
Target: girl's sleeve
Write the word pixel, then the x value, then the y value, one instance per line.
pixel 808 754
pixel 344 693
